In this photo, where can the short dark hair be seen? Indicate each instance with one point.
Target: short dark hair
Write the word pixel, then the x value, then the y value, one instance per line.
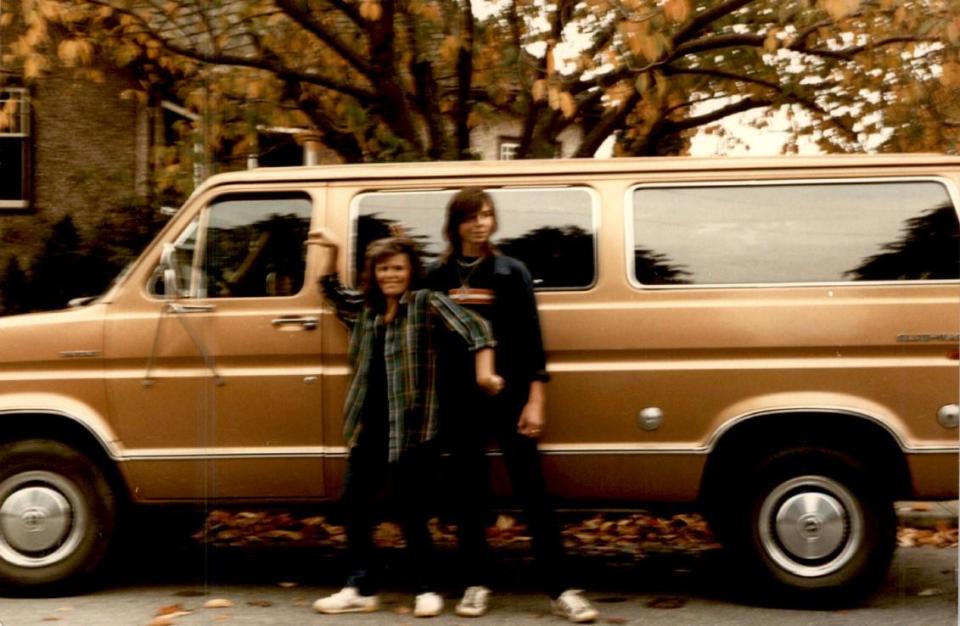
pixel 377 252
pixel 463 206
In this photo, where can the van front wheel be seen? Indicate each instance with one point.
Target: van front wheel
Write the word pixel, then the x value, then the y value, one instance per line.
pixel 56 515
pixel 818 529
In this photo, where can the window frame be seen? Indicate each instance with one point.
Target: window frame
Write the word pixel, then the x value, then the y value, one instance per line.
pixel 202 220
pixel 630 221
pixel 508 142
pixel 353 212
pixel 24 136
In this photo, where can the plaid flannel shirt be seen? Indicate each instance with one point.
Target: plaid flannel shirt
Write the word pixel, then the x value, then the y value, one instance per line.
pixel 410 354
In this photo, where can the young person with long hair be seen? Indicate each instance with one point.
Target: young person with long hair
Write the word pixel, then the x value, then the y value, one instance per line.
pixel 499 288
pixel 391 411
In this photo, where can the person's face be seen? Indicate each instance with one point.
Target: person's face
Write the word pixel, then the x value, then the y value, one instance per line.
pixel 393 275
pixel 476 230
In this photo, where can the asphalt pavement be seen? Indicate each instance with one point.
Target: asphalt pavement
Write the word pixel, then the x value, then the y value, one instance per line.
pixel 169 581
pixel 928 514
pixel 276 589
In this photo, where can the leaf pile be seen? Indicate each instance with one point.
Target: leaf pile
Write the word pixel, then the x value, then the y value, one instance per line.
pixel 942 536
pixel 633 534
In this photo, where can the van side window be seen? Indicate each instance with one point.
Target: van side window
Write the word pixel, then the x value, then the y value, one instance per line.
pixel 552 230
pixel 253 246
pixel 794 233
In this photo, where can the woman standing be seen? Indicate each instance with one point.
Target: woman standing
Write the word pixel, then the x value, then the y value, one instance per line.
pixel 391 409
pixel 499 288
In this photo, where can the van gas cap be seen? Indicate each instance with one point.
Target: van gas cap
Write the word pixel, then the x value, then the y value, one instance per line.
pixel 949 415
pixel 650 418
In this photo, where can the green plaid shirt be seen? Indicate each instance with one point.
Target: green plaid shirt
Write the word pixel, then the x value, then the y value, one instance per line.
pixel 410 354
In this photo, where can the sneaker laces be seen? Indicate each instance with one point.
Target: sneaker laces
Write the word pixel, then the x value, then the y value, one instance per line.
pixel 575 602
pixel 472 595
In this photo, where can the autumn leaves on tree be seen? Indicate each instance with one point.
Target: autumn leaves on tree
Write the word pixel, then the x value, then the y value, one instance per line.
pixel 409 79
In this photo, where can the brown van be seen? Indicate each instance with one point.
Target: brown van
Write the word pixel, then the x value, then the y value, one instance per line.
pixel 775 340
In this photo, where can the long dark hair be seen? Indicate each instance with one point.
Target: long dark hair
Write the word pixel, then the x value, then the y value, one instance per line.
pixel 465 204
pixel 377 252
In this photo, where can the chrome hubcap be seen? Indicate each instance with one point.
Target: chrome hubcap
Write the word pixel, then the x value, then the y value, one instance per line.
pixel 811 525
pixel 42 518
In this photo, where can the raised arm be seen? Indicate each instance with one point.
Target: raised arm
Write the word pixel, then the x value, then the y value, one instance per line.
pixel 348 303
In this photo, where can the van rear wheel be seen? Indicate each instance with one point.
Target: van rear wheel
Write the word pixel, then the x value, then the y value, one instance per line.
pixel 817 529
pixel 57 514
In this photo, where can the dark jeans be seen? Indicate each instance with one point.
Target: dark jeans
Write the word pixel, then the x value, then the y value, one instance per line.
pixel 467 439
pixel 411 483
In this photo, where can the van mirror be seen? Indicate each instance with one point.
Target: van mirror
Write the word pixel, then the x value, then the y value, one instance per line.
pixel 171 282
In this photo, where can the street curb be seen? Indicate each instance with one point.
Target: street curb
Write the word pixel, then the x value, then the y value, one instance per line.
pixel 927 514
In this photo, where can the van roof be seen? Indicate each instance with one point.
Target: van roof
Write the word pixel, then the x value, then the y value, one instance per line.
pixel 527 167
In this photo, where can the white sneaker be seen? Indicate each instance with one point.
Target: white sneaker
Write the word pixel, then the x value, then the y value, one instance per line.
pixel 475 602
pixel 347 600
pixel 572 605
pixel 427 604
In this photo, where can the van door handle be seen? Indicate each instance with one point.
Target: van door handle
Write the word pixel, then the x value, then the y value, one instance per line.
pixel 179 308
pixel 308 322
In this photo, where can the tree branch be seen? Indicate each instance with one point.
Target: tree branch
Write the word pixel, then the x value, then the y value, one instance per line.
pixel 695 26
pixel 715 73
pixel 713 43
pixel 349 10
pixel 609 123
pixel 745 104
pixel 847 54
pixel 282 72
pixel 464 82
pixel 304 18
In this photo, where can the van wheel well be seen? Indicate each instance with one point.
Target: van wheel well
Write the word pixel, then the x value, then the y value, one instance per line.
pixel 21 427
pixel 746 444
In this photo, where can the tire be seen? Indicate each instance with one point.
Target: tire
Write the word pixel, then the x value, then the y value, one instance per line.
pixel 57 514
pixel 816 529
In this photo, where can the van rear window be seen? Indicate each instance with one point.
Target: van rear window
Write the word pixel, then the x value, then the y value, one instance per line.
pixel 794 233
pixel 552 230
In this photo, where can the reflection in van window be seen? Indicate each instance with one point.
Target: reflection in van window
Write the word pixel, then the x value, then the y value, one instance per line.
pixel 254 246
pixel 795 233
pixel 550 230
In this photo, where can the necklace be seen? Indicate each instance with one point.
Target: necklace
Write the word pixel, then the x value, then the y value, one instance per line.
pixel 472 267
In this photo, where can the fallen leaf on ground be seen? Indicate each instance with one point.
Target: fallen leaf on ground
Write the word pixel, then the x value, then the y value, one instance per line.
pixel 167 610
pixel 163 620
pixel 218 603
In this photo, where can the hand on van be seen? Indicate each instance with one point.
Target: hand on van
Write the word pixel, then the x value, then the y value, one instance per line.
pixel 324 238
pixel 532 420
pixel 487 378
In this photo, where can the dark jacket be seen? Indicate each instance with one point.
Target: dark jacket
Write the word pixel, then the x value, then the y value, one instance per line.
pixel 520 357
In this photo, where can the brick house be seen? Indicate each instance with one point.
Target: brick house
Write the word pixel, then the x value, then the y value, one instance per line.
pixel 69 146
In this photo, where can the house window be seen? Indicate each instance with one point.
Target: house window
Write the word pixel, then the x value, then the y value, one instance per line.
pixel 508 149
pixel 14 148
